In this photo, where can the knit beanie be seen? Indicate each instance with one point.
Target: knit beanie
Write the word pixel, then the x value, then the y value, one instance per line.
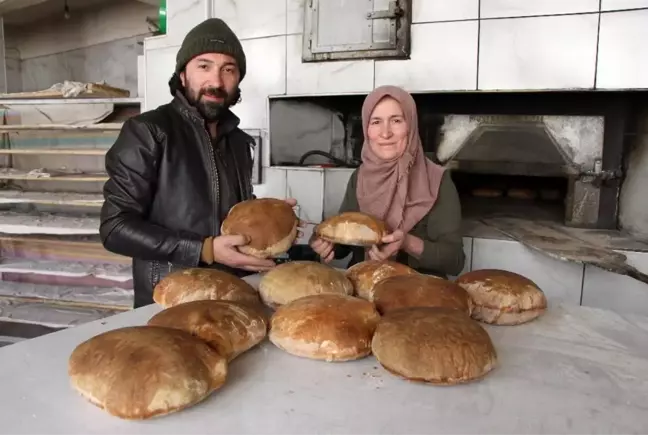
pixel 211 36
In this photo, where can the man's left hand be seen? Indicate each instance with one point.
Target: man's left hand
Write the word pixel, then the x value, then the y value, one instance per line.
pixel 301 224
pixel 392 243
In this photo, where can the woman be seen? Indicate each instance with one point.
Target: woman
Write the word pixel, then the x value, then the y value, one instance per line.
pixel 400 185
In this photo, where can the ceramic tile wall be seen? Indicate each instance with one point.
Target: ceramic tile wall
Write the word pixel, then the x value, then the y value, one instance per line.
pixel 623 52
pixel 603 289
pixel 517 8
pixel 614 5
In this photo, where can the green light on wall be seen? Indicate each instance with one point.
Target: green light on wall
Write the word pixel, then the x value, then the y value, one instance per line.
pixel 163 17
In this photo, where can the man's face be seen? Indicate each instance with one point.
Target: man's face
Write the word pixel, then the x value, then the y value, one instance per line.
pixel 211 82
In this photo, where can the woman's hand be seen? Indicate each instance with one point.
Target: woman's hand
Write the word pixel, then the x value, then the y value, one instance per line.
pixel 323 248
pixel 392 243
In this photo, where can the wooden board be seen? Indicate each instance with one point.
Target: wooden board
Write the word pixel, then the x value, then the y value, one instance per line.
pixel 52 176
pixel 95 90
pixel 548 238
pixel 51 198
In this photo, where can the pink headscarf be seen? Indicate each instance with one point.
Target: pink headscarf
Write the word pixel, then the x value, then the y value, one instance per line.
pixel 403 190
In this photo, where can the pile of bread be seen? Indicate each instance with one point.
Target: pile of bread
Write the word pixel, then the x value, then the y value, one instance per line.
pixel 417 326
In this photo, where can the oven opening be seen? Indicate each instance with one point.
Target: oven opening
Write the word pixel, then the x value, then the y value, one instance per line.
pixel 527 197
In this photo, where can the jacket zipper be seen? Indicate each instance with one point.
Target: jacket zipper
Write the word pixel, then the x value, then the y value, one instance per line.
pixel 215 182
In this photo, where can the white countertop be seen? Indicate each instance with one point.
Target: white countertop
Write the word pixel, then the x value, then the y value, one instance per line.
pixel 575 370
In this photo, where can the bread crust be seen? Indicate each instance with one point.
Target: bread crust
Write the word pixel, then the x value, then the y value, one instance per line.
pixel 296 279
pixel 195 284
pixel 501 297
pixel 409 291
pixel 141 372
pixel 352 228
pixel 328 327
pixel 270 225
pixel 438 346
pixel 231 328
pixel 366 274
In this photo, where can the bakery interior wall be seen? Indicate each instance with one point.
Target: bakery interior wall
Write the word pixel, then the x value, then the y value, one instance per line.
pixel 456 47
pixel 99 41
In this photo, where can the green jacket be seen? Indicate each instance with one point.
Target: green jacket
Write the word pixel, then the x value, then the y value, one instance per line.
pixel 440 231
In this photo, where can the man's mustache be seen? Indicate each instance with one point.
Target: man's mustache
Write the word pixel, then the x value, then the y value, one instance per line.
pixel 213 92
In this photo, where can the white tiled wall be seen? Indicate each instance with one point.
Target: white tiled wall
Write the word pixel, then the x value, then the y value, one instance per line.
pixel 615 5
pixel 453 45
pixel 538 53
pixel 603 289
pixel 425 11
pixel 340 77
pixel 522 8
pixel 159 66
pixel 623 51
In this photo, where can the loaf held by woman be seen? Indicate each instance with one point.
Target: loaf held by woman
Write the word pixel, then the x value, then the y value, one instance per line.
pixel 398 184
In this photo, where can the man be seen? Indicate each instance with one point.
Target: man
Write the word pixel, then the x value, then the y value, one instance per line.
pixel 174 172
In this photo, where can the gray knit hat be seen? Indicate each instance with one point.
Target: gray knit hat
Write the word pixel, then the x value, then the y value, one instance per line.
pixel 211 36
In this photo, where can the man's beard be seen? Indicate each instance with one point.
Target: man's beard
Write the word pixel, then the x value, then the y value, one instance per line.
pixel 211 110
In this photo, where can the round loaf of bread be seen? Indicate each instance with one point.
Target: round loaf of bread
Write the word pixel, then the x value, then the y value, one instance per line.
pixel 503 298
pixel 435 345
pixel 352 228
pixel 296 279
pixel 269 224
pixel 144 371
pixel 521 193
pixel 330 327
pixel 409 291
pixel 487 192
pixel 197 284
pixel 229 327
pixel 366 274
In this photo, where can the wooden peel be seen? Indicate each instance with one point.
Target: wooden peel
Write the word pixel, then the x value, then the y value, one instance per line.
pixel 558 244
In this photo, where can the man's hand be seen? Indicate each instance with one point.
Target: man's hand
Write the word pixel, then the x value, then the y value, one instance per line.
pixel 293 202
pixel 226 252
pixel 392 243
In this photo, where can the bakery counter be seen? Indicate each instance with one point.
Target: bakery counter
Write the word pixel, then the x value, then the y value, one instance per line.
pixel 574 370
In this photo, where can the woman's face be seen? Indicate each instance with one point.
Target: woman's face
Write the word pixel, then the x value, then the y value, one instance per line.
pixel 387 131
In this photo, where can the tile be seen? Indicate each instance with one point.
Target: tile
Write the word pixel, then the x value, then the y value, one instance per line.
pixel 444 10
pixel 538 53
pixel 295 17
pixel 307 187
pixel 157 83
pixel 561 281
pixel 337 77
pixel 335 185
pixel 274 184
pixel 623 52
pixel 468 248
pixel 266 75
pixel 182 16
pixel 611 5
pixel 603 289
pixel 444 57
pixel 522 8
pixel 252 18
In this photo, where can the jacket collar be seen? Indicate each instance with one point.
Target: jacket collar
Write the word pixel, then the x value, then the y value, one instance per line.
pixel 228 121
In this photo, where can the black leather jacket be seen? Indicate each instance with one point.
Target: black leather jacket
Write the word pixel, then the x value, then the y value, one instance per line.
pixel 162 197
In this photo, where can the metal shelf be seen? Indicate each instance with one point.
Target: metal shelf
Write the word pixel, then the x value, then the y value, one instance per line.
pixel 39 101
pixel 55 151
pixel 106 126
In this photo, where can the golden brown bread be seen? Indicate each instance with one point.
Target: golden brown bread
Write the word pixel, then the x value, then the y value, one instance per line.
pixel 296 279
pixel 196 284
pixel 330 327
pixel 270 225
pixel 501 297
pixel 487 192
pixel 366 274
pixel 521 193
pixel 408 291
pixel 143 371
pixel 229 327
pixel 352 228
pixel 434 345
